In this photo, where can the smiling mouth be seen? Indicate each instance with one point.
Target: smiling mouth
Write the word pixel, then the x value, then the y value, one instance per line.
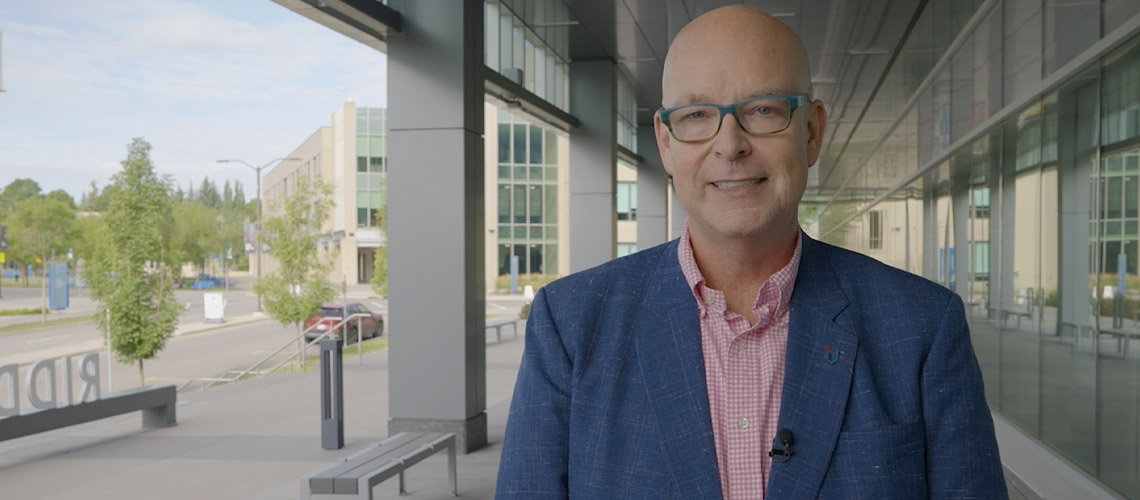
pixel 737 184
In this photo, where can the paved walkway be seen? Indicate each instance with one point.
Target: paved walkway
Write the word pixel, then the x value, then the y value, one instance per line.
pixel 256 439
pixel 252 440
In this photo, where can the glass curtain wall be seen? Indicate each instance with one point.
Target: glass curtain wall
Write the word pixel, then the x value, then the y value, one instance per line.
pixel 527 196
pixel 528 41
pixel 371 164
pixel 1034 220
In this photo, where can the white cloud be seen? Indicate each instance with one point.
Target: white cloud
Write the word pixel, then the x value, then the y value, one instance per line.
pixel 200 80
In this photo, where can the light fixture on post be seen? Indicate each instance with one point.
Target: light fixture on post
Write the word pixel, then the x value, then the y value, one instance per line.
pixel 258 224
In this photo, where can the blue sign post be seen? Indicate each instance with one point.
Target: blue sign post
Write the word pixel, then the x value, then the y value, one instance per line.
pixel 58 286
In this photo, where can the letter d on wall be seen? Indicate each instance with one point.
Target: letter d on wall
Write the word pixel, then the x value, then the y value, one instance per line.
pixel 13 407
pixel 33 388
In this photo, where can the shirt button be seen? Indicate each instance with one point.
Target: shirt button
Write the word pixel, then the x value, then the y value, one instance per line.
pixel 741 345
pixel 709 298
pixel 743 422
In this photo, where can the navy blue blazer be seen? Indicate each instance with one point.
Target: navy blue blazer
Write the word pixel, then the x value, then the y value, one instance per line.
pixel 882 391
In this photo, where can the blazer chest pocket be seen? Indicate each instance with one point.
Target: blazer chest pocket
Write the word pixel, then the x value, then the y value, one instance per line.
pixel 881 462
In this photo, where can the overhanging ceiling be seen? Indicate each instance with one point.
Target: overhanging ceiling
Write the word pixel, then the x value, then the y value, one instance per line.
pixel 850 44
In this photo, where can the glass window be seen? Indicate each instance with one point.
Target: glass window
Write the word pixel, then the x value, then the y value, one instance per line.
pixel 1070 28
pixel 376 164
pixel 377 144
pixel 981 260
pixel 520 143
pixel 519 193
pixel 361 145
pixel 361 164
pixel 875 226
pixel 535 144
pixel 535 261
pixel 550 208
pixel 550 260
pixel 504 203
pixel 504 259
pixel 504 142
pixel 551 148
pixel 626 200
pixel 535 211
pixel 1021 48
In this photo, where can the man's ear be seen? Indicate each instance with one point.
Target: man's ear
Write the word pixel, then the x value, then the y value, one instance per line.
pixel 662 133
pixel 817 122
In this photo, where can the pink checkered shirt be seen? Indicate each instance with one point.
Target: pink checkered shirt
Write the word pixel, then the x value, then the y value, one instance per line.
pixel 744 369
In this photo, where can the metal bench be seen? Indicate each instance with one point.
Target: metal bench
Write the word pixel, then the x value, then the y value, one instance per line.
pixel 498 325
pixel 156 402
pixel 359 473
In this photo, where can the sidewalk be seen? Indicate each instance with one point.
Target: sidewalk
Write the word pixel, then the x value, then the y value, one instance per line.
pixel 247 441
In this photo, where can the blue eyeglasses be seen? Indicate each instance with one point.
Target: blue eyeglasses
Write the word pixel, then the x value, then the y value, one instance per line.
pixel 764 114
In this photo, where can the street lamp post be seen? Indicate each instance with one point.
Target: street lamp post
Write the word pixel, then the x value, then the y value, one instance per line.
pixel 258 225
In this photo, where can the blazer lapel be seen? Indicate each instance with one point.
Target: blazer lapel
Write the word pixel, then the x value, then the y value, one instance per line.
pixel 821 352
pixel 668 344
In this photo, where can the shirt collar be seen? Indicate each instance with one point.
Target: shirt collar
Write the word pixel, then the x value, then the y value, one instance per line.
pixel 783 280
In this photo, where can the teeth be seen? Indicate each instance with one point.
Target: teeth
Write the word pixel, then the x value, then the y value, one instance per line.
pixel 736 184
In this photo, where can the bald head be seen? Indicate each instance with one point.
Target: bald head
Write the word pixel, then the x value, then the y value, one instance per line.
pixel 733 50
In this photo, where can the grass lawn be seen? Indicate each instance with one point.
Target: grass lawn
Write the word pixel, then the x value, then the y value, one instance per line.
pixel 20 312
pixel 36 325
pixel 370 345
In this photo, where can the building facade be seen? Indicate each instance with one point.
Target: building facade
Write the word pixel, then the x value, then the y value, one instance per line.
pixel 349 155
pixel 1011 176
pixel 524 205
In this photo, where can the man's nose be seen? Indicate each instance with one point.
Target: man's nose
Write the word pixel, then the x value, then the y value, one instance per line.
pixel 731 142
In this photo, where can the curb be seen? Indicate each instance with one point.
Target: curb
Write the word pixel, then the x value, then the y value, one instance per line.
pixel 206 328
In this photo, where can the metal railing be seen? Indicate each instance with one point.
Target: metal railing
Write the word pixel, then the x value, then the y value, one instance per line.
pixel 330 328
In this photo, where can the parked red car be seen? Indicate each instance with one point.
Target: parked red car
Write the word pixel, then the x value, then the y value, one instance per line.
pixel 332 313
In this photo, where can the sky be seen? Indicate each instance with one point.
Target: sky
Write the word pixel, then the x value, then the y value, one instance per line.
pixel 201 80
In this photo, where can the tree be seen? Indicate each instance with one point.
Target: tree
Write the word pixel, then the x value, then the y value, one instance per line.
pixel 62 195
pixel 296 289
pixel 133 279
pixel 195 231
pixel 227 195
pixel 380 257
pixel 16 192
pixel 37 226
pixel 87 199
pixel 208 194
pixel 239 198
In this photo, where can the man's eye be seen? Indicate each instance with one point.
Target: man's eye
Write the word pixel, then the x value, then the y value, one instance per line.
pixel 763 111
pixel 694 115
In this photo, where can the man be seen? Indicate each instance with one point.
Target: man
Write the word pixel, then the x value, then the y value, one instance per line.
pixel 745 360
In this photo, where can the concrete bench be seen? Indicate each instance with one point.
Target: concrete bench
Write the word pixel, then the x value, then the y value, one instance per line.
pixel 156 402
pixel 359 473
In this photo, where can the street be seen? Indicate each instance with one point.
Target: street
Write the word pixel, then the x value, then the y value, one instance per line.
pixel 198 350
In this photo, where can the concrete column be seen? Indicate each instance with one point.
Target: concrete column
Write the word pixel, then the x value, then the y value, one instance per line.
pixel 437 373
pixel 652 192
pixel 593 163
